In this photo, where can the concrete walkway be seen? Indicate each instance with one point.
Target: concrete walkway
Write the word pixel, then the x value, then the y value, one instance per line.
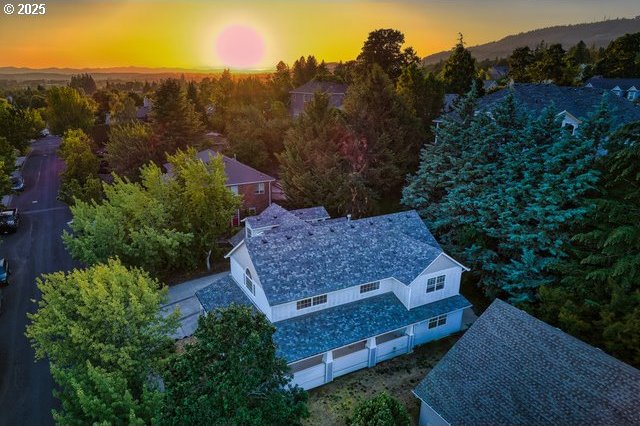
pixel 183 297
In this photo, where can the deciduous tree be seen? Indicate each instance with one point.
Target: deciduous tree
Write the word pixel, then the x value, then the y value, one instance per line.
pixel 383 47
pixel 68 109
pixel 381 410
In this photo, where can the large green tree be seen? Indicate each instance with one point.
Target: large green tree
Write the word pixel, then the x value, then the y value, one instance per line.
pixel 69 109
pixel 84 82
pixel 621 58
pixel 381 410
pixel 102 331
pixel 597 298
pixel 230 375
pixel 383 47
pixel 128 148
pixel 459 71
pixel 80 176
pixel 19 125
pixel 423 93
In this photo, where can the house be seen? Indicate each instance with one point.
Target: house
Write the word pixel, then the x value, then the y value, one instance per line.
pixel 624 87
pixel 498 72
pixel 303 94
pixel 143 112
pixel 574 104
pixel 342 294
pixel 253 185
pixel 511 368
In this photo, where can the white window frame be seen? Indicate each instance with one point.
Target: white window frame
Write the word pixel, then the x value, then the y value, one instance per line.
pixel 248 282
pixel 311 301
pixel 436 283
pixel 234 189
pixel 438 321
pixel 260 188
pixel 372 286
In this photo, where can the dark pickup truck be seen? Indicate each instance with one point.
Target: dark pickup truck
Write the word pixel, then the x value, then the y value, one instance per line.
pixel 9 220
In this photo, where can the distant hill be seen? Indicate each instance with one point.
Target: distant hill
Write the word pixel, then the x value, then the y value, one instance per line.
pixel 595 33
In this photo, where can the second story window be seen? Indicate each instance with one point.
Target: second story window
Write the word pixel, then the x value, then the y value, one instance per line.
pixel 364 288
pixel 248 282
pixel 435 283
pixel 234 189
pixel 260 188
pixel 311 301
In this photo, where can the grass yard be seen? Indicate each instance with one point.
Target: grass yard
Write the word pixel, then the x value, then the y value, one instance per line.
pixel 332 403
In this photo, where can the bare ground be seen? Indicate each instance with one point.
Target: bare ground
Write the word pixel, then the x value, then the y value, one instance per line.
pixel 332 403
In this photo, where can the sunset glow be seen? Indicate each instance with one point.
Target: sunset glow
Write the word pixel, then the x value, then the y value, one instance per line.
pixel 239 46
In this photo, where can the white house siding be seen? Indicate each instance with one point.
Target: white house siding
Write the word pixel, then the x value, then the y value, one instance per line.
pixel 334 298
pixel 428 417
pixel 350 362
pixel 310 377
pixel 419 295
pixel 392 348
pixel 240 261
pixel 423 334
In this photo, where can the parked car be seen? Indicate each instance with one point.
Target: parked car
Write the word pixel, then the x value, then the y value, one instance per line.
pixel 17 183
pixel 1 301
pixel 4 271
pixel 9 220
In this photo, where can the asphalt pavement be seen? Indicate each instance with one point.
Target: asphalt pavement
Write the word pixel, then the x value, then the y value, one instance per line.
pixel 36 248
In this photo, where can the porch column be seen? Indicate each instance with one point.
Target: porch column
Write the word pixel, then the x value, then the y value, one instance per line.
pixel 373 349
pixel 410 339
pixel 327 358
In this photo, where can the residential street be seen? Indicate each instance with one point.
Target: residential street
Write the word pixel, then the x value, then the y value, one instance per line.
pixel 36 248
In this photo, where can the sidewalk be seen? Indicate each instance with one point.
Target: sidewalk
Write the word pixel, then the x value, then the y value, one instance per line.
pixel 183 297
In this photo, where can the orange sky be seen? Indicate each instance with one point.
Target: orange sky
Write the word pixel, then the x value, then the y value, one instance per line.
pixel 182 34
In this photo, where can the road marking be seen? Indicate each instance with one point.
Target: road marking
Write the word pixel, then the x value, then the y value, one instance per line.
pixel 51 209
pixel 34 202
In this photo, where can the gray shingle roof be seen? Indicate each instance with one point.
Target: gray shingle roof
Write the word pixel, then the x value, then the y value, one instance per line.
pixel 237 173
pixel 298 260
pixel 610 83
pixel 511 368
pixel 308 335
pixel 581 102
pixel 274 215
pixel 321 86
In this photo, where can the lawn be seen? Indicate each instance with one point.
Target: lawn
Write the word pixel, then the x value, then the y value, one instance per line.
pixel 332 403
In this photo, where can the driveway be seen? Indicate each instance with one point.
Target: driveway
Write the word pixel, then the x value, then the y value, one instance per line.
pixel 36 248
pixel 183 297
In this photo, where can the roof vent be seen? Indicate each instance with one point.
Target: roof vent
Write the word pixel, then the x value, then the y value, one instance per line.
pixel 264 241
pixel 352 226
pixel 371 222
pixel 310 233
pixel 288 237
pixel 349 217
pixel 332 230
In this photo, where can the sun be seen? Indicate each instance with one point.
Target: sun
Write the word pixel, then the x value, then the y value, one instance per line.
pixel 240 46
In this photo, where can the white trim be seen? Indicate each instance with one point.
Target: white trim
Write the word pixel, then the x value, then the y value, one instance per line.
pixel 432 262
pixel 249 183
pixel 226 256
pixel 425 403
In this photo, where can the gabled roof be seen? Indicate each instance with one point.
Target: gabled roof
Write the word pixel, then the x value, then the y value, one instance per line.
pixel 298 259
pixel 237 173
pixel 274 215
pixel 611 83
pixel 313 87
pixel 581 102
pixel 511 368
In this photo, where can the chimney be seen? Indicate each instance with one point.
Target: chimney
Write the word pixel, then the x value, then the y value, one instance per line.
pixel 349 217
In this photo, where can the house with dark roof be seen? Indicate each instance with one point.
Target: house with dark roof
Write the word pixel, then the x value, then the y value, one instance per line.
pixel 510 368
pixel 628 88
pixel 253 185
pixel 573 104
pixel 303 94
pixel 342 294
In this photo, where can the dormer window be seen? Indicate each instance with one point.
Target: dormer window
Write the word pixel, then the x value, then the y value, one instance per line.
pixel 248 282
pixel 435 283
pixel 311 301
pixel 365 288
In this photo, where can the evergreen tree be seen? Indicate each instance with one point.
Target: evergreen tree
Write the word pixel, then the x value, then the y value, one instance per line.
pixel 520 62
pixel 598 297
pixel 621 58
pixel 383 47
pixel 459 71
pixel 83 82
pixel 423 93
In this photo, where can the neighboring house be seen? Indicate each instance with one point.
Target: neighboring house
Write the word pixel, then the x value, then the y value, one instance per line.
pixel 574 104
pixel 253 185
pixel 511 368
pixel 624 87
pixel 498 72
pixel 303 94
pixel 143 112
pixel 342 294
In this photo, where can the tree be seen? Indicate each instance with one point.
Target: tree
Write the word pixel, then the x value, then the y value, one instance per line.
pixel 500 191
pixel 129 224
pixel 19 125
pixel 459 71
pixel 198 199
pixel 7 162
pixel 102 331
pixel 384 48
pixel 231 375
pixel 520 62
pixel 280 82
pixel 381 410
pixel 80 179
pixel 128 148
pixel 621 58
pixel 597 298
pixel 326 163
pixel 83 82
pixel 68 109
pixel 174 120
pixel 423 93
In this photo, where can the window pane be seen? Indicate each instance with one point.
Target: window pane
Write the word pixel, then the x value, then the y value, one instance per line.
pixel 318 300
pixel 442 320
pixel 301 304
pixel 370 287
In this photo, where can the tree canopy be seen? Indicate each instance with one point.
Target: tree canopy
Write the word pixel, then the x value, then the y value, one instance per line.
pixel 383 47
pixel 231 375
pixel 459 71
pixel 80 176
pixel 381 410
pixel 68 109
pixel 621 58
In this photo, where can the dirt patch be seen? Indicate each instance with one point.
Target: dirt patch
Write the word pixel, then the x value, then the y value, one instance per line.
pixel 332 403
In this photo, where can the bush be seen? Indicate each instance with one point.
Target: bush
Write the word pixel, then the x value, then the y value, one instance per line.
pixel 381 410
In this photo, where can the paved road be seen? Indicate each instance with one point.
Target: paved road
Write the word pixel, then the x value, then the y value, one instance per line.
pixel 25 386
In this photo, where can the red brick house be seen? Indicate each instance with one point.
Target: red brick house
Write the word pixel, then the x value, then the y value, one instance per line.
pixel 254 186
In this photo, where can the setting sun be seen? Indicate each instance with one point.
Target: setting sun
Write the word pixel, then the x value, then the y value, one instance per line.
pixel 240 46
